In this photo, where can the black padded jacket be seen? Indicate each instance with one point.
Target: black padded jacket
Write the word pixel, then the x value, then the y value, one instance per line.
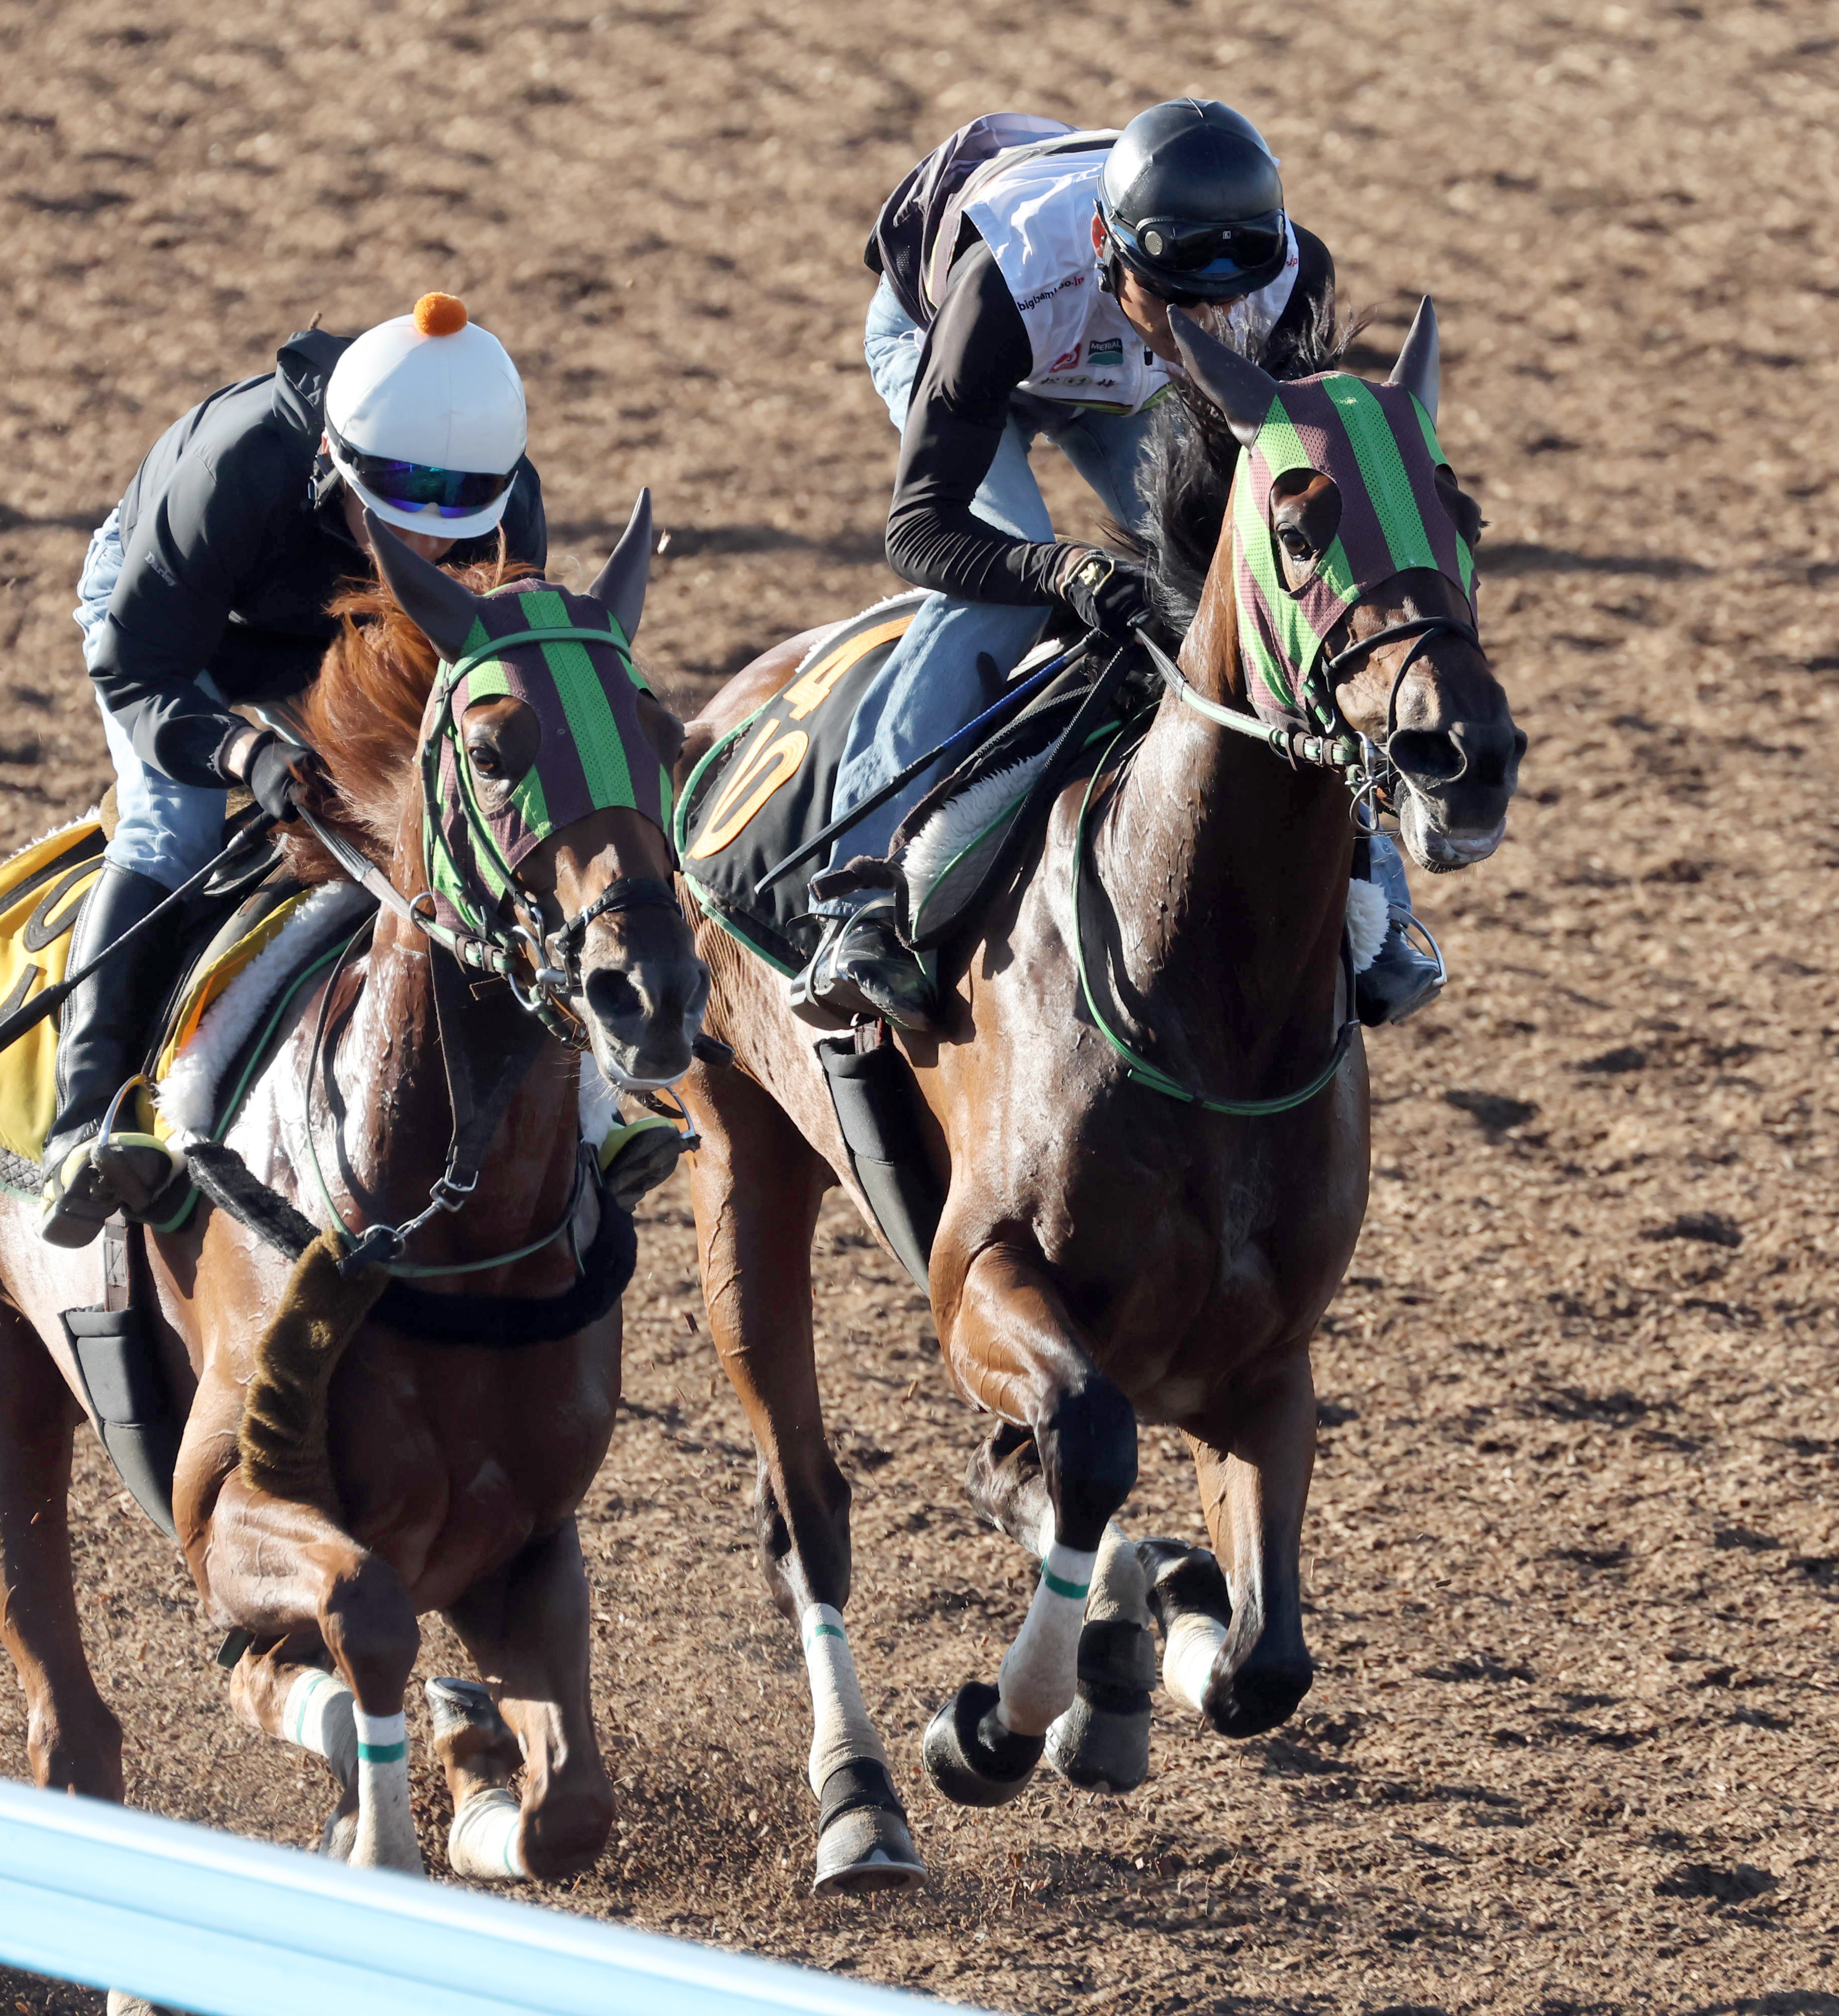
pixel 234 543
pixel 977 353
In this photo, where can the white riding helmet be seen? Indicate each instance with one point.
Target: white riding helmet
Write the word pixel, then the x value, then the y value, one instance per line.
pixel 425 420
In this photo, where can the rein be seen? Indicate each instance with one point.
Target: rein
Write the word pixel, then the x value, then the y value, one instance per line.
pixel 494 947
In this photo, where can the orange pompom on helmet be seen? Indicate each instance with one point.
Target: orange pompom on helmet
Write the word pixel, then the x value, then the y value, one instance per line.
pixel 424 419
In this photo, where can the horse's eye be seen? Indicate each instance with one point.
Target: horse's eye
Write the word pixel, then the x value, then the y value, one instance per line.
pixel 1295 542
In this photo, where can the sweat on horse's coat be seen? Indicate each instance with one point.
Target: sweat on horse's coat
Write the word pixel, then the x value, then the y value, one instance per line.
pixel 842 1734
pixel 186 1094
pixel 1035 1685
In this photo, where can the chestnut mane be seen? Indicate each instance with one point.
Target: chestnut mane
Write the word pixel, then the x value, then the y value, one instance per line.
pixel 363 714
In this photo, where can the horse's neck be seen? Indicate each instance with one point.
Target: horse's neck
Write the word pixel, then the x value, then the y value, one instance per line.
pixel 1226 869
pixel 398 1117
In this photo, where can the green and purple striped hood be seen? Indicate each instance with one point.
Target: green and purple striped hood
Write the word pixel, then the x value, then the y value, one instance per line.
pixel 1379 446
pixel 594 754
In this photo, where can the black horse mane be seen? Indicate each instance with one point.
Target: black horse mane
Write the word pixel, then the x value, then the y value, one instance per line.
pixel 1188 467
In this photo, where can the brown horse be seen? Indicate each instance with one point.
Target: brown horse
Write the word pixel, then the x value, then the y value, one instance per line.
pixel 1146 1215
pixel 449 1470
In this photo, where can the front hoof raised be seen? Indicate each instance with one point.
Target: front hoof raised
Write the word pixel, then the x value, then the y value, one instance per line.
pixel 1256 1697
pixel 862 1843
pixel 1101 1743
pixel 971 1758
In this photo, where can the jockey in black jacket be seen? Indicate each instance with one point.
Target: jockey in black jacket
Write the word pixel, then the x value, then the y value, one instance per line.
pixel 1027 270
pixel 208 586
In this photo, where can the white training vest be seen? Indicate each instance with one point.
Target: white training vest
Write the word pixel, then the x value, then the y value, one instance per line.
pixel 1035 215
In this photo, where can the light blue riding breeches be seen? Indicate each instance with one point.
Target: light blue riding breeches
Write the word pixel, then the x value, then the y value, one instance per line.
pixel 163 829
pixel 931 685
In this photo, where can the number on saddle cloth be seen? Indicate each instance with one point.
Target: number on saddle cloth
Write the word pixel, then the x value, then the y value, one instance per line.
pixel 766 787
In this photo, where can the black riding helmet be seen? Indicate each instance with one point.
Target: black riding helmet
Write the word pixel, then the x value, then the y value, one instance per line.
pixel 1192 203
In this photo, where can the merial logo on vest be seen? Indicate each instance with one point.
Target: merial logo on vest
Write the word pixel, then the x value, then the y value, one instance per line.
pixel 1108 350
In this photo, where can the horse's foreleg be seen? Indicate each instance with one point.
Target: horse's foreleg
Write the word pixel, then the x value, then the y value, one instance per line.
pixel 73 1741
pixel 758 1187
pixel 285 1692
pixel 1013 1347
pixel 1102 1742
pixel 283 1570
pixel 1253 1457
pixel 527 1628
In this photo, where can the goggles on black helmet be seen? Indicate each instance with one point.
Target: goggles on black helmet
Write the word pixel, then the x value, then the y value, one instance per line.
pixel 1177 256
pixel 416 486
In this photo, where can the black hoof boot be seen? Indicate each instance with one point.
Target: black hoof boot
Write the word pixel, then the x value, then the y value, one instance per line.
pixel 1255 1699
pixel 971 1758
pixel 1101 1743
pixel 862 1840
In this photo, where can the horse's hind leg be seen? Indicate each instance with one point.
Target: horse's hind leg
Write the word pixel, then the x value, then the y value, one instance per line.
pixel 1254 1458
pixel 1101 1744
pixel 72 1739
pixel 758 1187
pixel 1012 1345
pixel 527 1628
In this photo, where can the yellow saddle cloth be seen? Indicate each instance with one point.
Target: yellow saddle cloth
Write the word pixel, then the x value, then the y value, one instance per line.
pixel 42 891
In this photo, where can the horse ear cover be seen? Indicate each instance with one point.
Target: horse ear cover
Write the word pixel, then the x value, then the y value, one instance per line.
pixel 620 587
pixel 443 609
pixel 1417 368
pixel 1242 390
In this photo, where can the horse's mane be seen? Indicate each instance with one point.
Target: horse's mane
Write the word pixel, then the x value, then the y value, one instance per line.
pixel 363 714
pixel 1189 460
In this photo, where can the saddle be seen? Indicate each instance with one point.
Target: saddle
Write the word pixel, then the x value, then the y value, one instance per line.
pixel 761 797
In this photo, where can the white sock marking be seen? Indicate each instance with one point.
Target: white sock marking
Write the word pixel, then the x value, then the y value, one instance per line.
pixel 485 1841
pixel 841 1731
pixel 318 1717
pixel 1037 1681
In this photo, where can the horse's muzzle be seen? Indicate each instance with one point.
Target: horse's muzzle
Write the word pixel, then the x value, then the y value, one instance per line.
pixel 642 1017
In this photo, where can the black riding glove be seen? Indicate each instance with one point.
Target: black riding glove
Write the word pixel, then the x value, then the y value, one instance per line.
pixel 277 772
pixel 1107 594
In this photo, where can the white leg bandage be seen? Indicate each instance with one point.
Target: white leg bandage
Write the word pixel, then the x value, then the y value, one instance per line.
pixel 318 1717
pixel 1117 1586
pixel 483 1840
pixel 386 1828
pixel 1188 1657
pixel 841 1731
pixel 1037 1677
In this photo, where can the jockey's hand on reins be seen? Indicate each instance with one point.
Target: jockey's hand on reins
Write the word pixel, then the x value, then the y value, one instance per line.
pixel 1107 594
pixel 279 773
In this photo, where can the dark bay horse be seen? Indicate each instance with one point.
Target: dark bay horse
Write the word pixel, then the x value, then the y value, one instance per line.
pixel 448 1469
pixel 1154 1141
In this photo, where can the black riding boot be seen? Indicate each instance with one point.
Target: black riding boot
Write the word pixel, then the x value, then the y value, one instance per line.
pixel 861 967
pixel 101 1028
pixel 1404 976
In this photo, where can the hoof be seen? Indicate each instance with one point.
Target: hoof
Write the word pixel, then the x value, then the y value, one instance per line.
pixel 339 1833
pixel 1257 1698
pixel 1101 1743
pixel 469 1731
pixel 1179 1579
pixel 971 1758
pixel 863 1843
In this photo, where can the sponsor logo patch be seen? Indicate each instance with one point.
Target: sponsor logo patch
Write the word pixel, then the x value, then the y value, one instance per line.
pixel 1027 301
pixel 1109 351
pixel 1066 359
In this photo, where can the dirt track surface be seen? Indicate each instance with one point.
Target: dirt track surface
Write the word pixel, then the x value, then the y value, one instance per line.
pixel 1573 1549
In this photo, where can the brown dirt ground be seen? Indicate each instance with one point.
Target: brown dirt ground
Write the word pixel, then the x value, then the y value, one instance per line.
pixel 1572 1551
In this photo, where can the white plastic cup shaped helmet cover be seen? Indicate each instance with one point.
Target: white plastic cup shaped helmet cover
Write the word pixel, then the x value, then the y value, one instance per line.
pixel 425 420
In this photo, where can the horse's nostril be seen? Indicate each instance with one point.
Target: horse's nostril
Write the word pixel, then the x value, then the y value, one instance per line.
pixel 1427 756
pixel 612 997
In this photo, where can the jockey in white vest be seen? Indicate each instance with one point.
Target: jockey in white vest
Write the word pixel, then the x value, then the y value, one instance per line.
pixel 1027 269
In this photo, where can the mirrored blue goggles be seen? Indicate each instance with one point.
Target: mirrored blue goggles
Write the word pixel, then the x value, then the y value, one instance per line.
pixel 417 486
pixel 1210 252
